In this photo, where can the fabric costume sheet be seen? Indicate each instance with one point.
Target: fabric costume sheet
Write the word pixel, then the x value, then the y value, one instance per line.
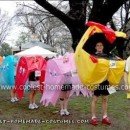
pixel 57 73
pixel 7 72
pixel 92 70
pixel 25 66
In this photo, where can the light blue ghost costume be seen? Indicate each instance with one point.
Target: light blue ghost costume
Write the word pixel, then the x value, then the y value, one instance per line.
pixel 8 72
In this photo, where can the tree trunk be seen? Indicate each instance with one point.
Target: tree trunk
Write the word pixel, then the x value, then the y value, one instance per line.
pixel 77 32
pixel 78 15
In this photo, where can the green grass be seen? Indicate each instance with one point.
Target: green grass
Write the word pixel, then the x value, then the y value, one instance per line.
pixel 79 107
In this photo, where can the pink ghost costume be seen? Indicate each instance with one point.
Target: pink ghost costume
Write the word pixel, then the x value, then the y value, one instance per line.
pixel 55 76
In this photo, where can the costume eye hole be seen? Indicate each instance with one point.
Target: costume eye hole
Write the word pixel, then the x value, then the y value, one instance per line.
pixel 55 74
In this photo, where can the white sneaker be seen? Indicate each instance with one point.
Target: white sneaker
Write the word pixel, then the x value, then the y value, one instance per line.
pixel 62 113
pixel 35 105
pixel 12 100
pixel 31 106
pixel 16 99
pixel 66 112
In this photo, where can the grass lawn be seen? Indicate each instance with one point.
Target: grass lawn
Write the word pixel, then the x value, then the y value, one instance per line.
pixel 79 107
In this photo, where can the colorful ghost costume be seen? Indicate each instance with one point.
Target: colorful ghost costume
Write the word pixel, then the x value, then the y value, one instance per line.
pixel 7 72
pixel 55 77
pixel 26 65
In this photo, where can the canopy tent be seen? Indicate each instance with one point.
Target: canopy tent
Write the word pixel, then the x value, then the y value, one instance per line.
pixel 33 43
pixel 58 72
pixel 92 70
pixel 25 66
pixel 36 50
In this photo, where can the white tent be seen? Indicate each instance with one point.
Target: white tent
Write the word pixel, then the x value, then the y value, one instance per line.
pixel 36 50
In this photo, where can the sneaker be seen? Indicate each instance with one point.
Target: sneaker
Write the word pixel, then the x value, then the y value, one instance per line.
pixel 31 106
pixel 35 105
pixel 12 100
pixel 94 121
pixel 16 99
pixel 62 113
pixel 106 121
pixel 66 112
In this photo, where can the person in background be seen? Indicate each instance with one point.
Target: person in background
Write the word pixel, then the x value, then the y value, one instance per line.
pixel 100 91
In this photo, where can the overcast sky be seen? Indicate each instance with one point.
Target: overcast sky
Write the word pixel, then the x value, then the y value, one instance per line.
pixel 10 7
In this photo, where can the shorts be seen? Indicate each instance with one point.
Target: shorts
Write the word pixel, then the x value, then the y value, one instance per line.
pixel 102 89
pixel 34 84
pixel 66 87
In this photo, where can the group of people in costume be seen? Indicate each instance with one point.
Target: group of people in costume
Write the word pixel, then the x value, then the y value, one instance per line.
pixel 91 70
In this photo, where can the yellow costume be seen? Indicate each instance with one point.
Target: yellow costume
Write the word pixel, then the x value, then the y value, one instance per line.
pixel 92 70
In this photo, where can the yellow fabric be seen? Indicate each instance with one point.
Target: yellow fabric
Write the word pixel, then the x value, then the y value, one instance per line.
pixel 115 74
pixel 94 73
pixel 128 95
pixel 120 34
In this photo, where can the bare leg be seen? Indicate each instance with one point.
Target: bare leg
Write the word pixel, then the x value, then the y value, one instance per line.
pixel 12 93
pixel 34 95
pixel 93 106
pixel 62 98
pixel 66 100
pixel 104 105
pixel 66 103
pixel 31 96
pixel 15 95
pixel 33 99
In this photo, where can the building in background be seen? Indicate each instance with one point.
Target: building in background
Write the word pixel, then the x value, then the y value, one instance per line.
pixel 33 42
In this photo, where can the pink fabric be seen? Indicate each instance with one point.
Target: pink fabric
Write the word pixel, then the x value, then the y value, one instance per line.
pixel 54 79
pixel 78 88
